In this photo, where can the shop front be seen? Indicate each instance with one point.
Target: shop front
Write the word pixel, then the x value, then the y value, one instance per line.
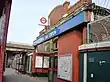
pixel 70 35
pixel 70 31
pixel 41 64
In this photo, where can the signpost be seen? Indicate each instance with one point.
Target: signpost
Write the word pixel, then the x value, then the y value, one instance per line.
pixel 43 20
pixel 71 23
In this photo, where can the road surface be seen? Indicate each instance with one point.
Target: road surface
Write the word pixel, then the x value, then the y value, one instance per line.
pixel 11 76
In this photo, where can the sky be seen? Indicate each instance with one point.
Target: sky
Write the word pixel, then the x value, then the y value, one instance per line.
pixel 25 17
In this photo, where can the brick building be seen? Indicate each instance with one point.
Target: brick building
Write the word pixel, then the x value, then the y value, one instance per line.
pixel 68 29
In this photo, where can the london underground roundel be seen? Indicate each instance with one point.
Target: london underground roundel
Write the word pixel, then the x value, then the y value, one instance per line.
pixel 43 20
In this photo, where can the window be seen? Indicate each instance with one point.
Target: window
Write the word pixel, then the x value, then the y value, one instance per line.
pixel 47 47
pixel 39 61
pixel 46 62
pixel 55 45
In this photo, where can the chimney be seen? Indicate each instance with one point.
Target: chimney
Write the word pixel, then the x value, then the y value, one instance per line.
pixel 66 6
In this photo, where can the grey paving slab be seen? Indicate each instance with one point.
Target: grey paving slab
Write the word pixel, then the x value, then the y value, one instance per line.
pixel 11 76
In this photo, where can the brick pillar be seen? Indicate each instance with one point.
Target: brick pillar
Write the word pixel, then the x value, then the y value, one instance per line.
pixel 33 60
pixel 84 35
pixel 3 44
pixel 68 44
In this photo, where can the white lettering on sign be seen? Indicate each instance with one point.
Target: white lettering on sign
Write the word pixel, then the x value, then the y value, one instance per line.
pixel 41 39
pixel 52 33
pixel 46 37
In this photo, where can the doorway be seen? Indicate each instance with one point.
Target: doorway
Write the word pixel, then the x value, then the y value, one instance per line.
pixel 98 66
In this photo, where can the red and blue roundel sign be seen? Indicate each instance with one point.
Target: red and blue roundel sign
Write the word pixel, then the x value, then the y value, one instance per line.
pixel 43 20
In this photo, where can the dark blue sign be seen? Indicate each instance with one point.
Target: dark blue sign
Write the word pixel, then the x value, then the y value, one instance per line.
pixel 78 19
pixel 72 23
pixel 46 37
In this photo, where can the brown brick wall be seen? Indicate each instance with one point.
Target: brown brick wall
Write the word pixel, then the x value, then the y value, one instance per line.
pixel 78 5
pixel 56 15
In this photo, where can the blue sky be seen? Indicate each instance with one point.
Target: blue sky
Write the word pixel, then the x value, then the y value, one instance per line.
pixel 25 17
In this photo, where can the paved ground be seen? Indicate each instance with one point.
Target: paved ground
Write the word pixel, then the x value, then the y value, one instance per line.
pixel 11 76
